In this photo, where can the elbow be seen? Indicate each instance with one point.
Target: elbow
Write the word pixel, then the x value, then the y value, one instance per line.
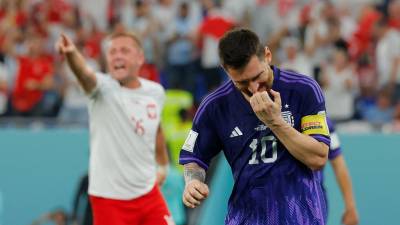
pixel 318 162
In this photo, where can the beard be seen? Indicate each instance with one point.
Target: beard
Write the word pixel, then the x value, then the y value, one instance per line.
pixel 263 87
pixel 247 93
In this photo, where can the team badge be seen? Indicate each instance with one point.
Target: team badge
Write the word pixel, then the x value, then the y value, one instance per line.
pixel 151 111
pixel 288 117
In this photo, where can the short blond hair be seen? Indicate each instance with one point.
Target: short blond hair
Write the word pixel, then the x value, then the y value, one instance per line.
pixel 128 34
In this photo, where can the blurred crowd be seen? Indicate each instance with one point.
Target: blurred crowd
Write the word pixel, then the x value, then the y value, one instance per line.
pixel 352 48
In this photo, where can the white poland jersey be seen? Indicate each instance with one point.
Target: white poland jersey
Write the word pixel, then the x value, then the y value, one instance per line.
pixel 123 127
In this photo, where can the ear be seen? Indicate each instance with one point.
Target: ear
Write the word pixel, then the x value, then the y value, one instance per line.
pixel 141 58
pixel 267 55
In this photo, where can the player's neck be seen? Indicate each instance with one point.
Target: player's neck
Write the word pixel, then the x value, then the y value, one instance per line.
pixel 132 82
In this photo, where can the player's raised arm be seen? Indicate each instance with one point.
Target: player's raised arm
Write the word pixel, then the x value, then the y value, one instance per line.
pixel 195 189
pixel 76 62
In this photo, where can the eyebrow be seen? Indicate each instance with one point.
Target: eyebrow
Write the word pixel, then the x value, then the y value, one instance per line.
pixel 250 79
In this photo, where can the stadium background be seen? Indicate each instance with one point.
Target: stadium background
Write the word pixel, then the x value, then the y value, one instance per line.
pixel 44 141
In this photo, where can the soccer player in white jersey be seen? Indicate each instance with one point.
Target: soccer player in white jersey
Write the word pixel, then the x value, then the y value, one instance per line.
pixel 126 141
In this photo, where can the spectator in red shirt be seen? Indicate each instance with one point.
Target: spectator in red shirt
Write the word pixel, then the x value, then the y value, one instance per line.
pixel 33 79
pixel 394 14
pixel 211 29
pixel 14 12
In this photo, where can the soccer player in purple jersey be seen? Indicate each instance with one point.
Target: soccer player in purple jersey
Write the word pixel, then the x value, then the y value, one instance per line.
pixel 271 126
pixel 350 215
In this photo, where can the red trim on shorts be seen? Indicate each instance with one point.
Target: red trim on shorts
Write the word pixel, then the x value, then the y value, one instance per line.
pixel 149 209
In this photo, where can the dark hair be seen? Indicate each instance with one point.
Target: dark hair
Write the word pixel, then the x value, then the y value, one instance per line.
pixel 237 47
pixel 342 45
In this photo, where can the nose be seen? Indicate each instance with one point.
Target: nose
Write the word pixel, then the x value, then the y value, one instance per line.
pixel 117 54
pixel 253 86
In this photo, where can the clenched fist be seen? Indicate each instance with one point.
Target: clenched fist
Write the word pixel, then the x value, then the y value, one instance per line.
pixel 195 192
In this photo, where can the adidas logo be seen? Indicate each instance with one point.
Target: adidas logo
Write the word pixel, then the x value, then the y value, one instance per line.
pixel 236 132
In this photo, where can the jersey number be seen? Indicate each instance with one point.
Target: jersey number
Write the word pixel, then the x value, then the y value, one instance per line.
pixel 254 145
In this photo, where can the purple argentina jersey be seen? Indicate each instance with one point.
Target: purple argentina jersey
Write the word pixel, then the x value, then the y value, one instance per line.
pixel 271 187
pixel 334 149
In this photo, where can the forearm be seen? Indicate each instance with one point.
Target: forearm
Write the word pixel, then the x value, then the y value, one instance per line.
pixel 344 181
pixel 306 149
pixel 193 171
pixel 161 149
pixel 82 72
pixel 346 189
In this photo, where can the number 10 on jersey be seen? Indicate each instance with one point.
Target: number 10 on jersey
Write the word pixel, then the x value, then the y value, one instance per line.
pixel 254 146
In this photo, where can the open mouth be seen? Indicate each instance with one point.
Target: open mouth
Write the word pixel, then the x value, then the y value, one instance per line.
pixel 119 67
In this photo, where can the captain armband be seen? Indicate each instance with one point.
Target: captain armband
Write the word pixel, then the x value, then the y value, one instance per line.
pixel 314 124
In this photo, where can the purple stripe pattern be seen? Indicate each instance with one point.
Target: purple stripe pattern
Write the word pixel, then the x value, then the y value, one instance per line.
pixel 226 89
pixel 334 153
pixel 320 136
pixel 186 160
pixel 322 139
pixel 317 186
pixel 205 101
pixel 287 77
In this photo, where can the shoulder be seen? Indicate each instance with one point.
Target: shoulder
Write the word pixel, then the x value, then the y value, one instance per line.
pixel 153 89
pixel 215 99
pixel 151 85
pixel 217 95
pixel 302 84
pixel 105 81
pixel 296 79
pixel 104 77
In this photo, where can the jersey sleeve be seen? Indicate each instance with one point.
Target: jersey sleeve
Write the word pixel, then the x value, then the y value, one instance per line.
pixel 202 142
pixel 103 81
pixel 160 98
pixel 313 120
pixel 334 149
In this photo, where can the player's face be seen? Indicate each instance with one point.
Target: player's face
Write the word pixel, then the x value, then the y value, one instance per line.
pixel 124 58
pixel 255 77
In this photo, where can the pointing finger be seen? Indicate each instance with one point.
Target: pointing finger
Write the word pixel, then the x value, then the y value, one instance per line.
pixel 65 39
